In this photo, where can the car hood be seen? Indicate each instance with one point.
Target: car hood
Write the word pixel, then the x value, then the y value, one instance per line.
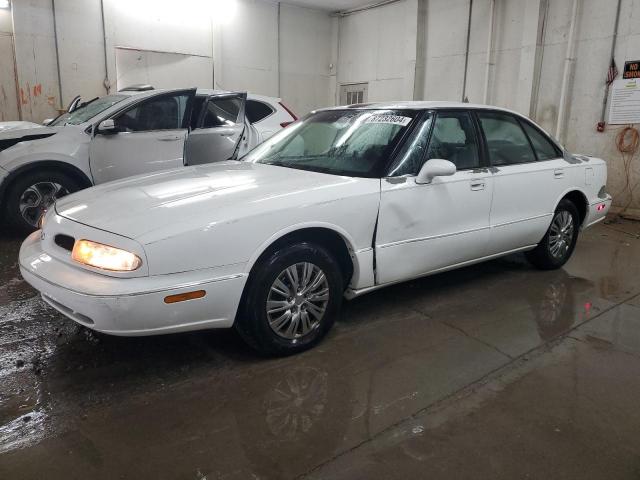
pixel 5 126
pixel 10 130
pixel 175 201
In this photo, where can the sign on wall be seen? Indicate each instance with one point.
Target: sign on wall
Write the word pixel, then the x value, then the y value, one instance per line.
pixel 625 102
pixel 631 69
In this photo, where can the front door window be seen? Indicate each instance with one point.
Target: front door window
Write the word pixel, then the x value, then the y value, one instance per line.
pixel 162 113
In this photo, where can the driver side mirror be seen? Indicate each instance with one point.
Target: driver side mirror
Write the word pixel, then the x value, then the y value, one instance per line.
pixel 107 127
pixel 435 168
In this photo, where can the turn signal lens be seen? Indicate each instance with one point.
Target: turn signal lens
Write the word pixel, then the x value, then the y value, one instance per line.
pixel 183 297
pixel 105 257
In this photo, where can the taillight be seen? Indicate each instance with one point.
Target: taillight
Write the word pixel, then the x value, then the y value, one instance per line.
pixel 293 115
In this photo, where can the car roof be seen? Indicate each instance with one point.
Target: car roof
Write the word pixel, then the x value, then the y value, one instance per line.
pixel 253 96
pixel 419 105
pixel 199 92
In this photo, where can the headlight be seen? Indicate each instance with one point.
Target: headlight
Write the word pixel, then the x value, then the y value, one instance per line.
pixel 104 256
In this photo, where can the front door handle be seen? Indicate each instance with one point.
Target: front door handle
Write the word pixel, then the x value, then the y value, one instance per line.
pixel 558 173
pixel 172 138
pixel 477 185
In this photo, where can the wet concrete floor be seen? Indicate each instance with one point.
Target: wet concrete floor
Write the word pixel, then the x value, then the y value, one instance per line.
pixel 493 371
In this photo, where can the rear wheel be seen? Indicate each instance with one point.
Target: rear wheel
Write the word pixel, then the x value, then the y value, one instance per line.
pixel 33 193
pixel 556 247
pixel 292 300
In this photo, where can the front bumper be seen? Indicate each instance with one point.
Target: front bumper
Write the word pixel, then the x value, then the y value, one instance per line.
pixel 131 306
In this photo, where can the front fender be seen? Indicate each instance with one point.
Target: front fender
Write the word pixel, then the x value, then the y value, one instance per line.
pixel 296 227
pixel 69 146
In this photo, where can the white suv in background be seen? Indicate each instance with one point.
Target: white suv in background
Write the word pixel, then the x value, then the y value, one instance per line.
pixel 134 131
pixel 268 115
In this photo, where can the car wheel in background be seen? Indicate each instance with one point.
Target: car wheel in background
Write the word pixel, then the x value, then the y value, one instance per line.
pixel 291 301
pixel 33 193
pixel 558 244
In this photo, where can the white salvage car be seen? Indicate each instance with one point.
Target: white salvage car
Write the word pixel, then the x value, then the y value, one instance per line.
pixel 344 202
pixel 138 130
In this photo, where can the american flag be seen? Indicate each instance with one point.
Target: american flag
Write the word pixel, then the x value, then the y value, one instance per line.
pixel 612 73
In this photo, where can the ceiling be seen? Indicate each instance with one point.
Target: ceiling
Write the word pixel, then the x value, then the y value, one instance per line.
pixel 331 5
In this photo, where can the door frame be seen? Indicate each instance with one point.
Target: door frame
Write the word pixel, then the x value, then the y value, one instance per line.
pixel 186 120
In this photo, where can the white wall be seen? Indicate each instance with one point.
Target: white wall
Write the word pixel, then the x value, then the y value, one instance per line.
pixel 5 21
pixel 246 49
pixel 36 59
pixel 259 47
pixel 8 92
pixel 307 63
pixel 281 51
pixel 81 49
pixel 378 46
pixel 161 69
pixel 153 26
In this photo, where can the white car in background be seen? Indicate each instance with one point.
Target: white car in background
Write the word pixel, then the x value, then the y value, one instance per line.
pixel 344 202
pixel 137 130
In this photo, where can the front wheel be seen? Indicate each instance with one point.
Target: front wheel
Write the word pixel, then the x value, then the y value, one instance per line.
pixel 32 194
pixel 292 299
pixel 556 247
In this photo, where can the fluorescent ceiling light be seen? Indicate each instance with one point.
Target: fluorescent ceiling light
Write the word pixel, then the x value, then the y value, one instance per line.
pixel 5 4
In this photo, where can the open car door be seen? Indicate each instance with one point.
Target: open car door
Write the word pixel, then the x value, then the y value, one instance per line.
pixel 221 131
pixel 145 137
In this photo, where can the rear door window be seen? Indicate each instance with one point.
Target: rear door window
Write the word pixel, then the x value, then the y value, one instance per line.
pixel 221 112
pixel 506 141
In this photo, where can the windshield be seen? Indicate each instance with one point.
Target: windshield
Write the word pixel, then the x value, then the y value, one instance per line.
pixel 355 143
pixel 88 110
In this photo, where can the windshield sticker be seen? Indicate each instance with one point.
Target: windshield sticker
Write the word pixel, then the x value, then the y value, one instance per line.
pixel 344 121
pixel 391 119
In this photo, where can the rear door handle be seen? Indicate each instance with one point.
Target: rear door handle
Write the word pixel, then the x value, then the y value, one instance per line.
pixel 477 185
pixel 172 138
pixel 558 173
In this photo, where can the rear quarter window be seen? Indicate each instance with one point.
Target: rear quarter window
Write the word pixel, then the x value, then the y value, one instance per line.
pixel 545 150
pixel 257 111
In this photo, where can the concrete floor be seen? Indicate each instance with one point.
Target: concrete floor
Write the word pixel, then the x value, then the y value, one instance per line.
pixel 493 371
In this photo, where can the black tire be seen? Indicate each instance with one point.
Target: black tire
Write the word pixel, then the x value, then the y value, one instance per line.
pixel 253 321
pixel 543 256
pixel 23 183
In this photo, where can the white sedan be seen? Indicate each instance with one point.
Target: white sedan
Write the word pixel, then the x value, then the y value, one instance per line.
pixel 344 202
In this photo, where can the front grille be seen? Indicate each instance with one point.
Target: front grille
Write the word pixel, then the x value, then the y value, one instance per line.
pixel 65 241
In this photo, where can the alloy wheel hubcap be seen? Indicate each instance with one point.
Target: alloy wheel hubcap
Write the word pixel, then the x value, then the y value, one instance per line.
pixel 297 300
pixel 561 234
pixel 35 200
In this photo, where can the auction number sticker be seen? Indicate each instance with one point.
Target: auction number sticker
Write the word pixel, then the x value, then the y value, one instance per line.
pixel 390 119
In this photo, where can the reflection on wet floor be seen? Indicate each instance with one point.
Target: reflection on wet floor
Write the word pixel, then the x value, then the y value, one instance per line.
pixel 201 405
